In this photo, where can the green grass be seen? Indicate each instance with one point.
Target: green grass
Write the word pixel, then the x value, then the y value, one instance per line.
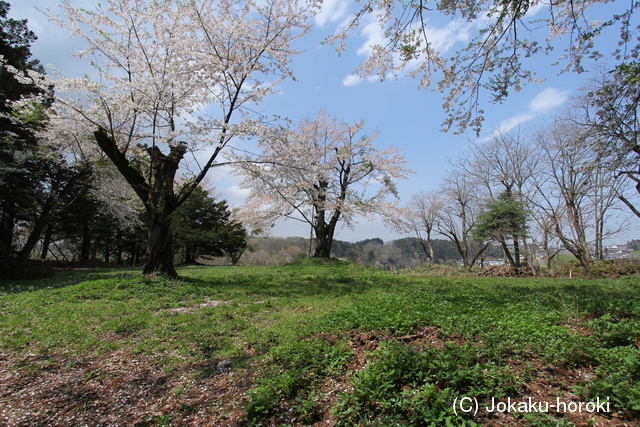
pixel 561 260
pixel 292 332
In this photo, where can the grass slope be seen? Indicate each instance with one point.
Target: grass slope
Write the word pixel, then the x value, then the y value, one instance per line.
pixel 316 343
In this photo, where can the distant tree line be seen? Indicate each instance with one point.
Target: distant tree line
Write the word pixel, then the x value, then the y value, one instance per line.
pixel 395 254
pixel 572 183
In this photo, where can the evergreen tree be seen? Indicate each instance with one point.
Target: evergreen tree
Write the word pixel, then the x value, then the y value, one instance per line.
pixel 503 219
pixel 18 142
pixel 204 227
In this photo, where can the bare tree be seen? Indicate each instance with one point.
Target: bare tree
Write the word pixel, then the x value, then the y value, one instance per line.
pixel 506 162
pixel 575 193
pixel 423 211
pixel 458 214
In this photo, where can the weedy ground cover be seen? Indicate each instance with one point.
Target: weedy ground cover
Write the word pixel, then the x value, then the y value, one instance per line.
pixel 315 343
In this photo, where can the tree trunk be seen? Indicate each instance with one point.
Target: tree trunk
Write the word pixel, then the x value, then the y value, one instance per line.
pixel 160 208
pixel 6 232
pixel 159 256
pixel 107 243
pixel 324 240
pixel 46 242
pixel 427 247
pixel 157 194
pixel 85 248
pixel 119 253
pixel 189 255
pixel 39 226
pixel 516 252
pixel 507 254
pixel 324 233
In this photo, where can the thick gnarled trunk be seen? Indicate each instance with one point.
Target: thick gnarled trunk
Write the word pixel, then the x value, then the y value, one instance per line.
pixel 159 255
pixel 158 197
pixel 324 233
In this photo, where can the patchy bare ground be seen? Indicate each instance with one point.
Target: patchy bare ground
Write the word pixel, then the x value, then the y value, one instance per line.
pixel 120 389
pixel 125 389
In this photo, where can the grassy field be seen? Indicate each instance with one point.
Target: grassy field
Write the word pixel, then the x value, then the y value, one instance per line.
pixel 317 343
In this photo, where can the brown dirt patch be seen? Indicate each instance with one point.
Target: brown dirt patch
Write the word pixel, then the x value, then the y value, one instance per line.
pixel 121 389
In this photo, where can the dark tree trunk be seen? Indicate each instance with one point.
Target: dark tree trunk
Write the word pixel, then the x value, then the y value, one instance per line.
pixel 94 249
pixel 160 208
pixel 516 252
pixel 324 233
pixel 189 255
pixel 119 254
pixel 39 226
pixel 107 242
pixel 85 249
pixel 46 242
pixel 158 196
pixel 507 254
pixel 6 232
pixel 323 245
pixel 159 256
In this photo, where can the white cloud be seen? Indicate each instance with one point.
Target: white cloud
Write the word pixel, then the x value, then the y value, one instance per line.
pixel 235 195
pixel 374 36
pixel 351 80
pixel 547 100
pixel 506 125
pixel 331 11
pixel 544 102
pixel 443 39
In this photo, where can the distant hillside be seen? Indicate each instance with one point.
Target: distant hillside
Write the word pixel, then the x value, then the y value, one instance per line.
pixel 394 254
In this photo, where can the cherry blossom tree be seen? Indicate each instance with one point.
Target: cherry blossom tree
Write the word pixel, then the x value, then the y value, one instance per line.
pixel 501 33
pixel 170 78
pixel 320 172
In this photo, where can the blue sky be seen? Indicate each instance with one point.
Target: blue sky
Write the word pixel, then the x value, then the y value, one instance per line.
pixel 405 116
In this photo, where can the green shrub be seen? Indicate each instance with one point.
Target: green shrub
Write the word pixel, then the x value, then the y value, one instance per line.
pixel 615 268
pixel 291 370
pixel 416 386
pixel 617 380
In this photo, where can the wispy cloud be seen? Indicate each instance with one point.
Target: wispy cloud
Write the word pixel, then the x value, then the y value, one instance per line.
pixel 547 100
pixel 374 35
pixel 508 124
pixel 544 102
pixel 442 39
pixel 331 11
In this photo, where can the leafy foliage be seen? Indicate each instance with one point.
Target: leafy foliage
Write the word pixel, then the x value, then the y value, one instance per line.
pixel 204 227
pixel 19 165
pixel 502 219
